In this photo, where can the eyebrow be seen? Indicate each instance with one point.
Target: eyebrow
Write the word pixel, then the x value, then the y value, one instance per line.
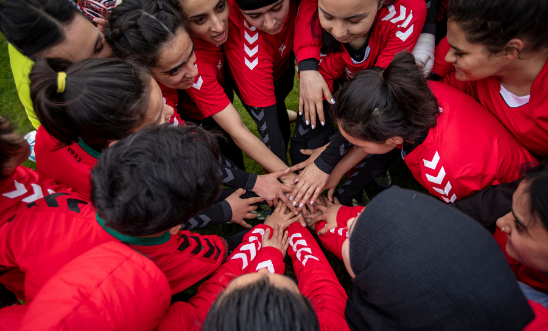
pixel 518 220
pixel 456 48
pixel 272 6
pixel 349 17
pixel 198 15
pixel 180 65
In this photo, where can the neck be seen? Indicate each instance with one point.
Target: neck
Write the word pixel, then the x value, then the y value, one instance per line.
pixel 518 76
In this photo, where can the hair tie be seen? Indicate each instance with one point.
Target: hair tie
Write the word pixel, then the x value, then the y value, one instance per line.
pixel 380 75
pixel 61 81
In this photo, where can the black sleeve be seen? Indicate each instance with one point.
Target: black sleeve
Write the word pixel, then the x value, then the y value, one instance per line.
pixel 432 7
pixel 218 213
pixel 489 204
pixel 234 177
pixel 334 152
pixel 309 64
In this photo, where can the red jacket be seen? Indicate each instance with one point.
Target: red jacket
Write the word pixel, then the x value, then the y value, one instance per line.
pixel 206 97
pixel 466 151
pixel 397 27
pixel 56 229
pixel 248 257
pixel 540 323
pixel 442 68
pixel 110 287
pixel 525 117
pixel 256 58
pixel 334 238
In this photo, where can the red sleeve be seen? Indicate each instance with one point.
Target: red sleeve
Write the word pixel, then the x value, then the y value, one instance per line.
pixel 333 239
pixel 540 322
pixel 305 44
pixel 442 68
pixel 317 280
pixel 406 23
pixel 12 317
pixel 270 258
pixel 331 68
pixel 345 213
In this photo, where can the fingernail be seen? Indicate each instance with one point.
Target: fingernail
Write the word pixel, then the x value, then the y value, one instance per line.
pixel 294 203
pixel 311 202
pixel 323 123
pixel 307 122
pixel 300 113
pixel 312 126
pixel 290 198
pixel 301 205
pixel 332 101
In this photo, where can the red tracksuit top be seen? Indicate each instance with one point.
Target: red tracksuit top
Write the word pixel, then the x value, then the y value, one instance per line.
pixel 48 233
pixel 466 151
pixel 256 58
pixel 396 28
pixel 248 257
pixel 206 97
pixel 110 287
pixel 527 120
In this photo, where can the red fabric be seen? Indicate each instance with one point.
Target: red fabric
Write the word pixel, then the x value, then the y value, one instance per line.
pixel 256 58
pixel 441 67
pixel 317 280
pixel 442 10
pixel 532 277
pixel 11 317
pixel 68 166
pixel 540 323
pixel 171 98
pixel 396 28
pixel 110 287
pixel 466 151
pixel 345 213
pixel 528 123
pixel 206 97
pixel 191 315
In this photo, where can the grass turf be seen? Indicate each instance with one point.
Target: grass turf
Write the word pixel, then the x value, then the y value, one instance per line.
pixel 11 108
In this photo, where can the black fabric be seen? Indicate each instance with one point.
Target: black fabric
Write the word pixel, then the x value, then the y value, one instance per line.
pixel 489 204
pixel 309 64
pixel 360 54
pixel 254 4
pixel 421 265
pixel 305 137
pixel 7 298
pixel 432 7
pixel 233 241
pixel 232 176
pixel 329 158
pixel 273 121
pixel 365 172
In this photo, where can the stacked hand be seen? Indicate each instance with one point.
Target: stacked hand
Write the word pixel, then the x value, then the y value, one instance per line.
pixel 311 182
pixel 328 212
pixel 279 239
pixel 242 208
pixel 271 190
pixel 282 217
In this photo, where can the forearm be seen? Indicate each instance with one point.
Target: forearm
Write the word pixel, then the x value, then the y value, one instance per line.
pixel 334 152
pixel 351 158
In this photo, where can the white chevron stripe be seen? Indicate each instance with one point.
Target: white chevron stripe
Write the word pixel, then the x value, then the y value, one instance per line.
pixel 37 194
pixel 266 264
pixel 50 191
pixel 392 13
pixel 407 20
pixel 251 39
pixel 299 242
pixel 251 65
pixel 253 238
pixel 434 163
pixel 259 231
pixel 251 52
pixel 198 84
pixel 304 249
pixel 453 198
pixel 341 231
pixel 241 256
pixel 438 179
pixel 404 35
pixel 446 191
pixel 251 249
pixel 309 257
pixel 296 235
pixel 403 10
pixel 252 28
pixel 19 190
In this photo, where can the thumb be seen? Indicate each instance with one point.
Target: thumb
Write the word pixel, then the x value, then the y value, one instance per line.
pixel 239 192
pixel 266 235
pixel 280 173
pixel 307 151
pixel 323 230
pixel 330 193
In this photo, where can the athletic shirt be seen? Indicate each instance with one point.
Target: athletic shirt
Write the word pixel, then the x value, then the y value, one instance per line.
pixel 466 151
pixel 20 68
pixel 206 97
pixel 256 58
pixel 525 117
pixel 396 28
pixel 69 165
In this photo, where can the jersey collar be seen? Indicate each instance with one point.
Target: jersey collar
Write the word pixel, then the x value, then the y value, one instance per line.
pixel 137 241
pixel 88 149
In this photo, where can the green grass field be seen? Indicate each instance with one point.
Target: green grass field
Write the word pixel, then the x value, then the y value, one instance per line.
pixel 11 108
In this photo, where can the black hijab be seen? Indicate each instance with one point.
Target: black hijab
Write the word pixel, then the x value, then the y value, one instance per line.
pixel 421 265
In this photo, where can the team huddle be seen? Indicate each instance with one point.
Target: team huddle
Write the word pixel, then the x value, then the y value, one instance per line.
pixel 138 144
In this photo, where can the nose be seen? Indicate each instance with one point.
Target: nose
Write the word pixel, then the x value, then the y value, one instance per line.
pixel 217 24
pixel 505 223
pixel 338 31
pixel 192 70
pixel 269 22
pixel 450 56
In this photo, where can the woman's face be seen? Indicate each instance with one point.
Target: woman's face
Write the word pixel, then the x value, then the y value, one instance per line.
pixel 158 112
pixel 471 61
pixel 208 19
pixel 176 67
pixel 371 147
pixel 527 237
pixel 83 41
pixel 347 20
pixel 270 19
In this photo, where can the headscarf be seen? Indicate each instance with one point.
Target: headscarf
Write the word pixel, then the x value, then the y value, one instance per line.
pixel 254 4
pixel 421 265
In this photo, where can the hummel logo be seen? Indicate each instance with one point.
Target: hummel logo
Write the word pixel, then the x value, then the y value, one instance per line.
pixel 282 49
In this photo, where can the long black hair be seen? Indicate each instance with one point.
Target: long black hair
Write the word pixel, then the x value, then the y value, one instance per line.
pixel 33 26
pixel 380 104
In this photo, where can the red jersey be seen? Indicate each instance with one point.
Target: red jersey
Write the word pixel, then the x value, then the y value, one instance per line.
pixel 256 58
pixel 397 27
pixel 525 117
pixel 317 280
pixel 540 323
pixel 110 287
pixel 171 98
pixel 466 151
pixel 206 97
pixel 334 238
pixel 54 230
pixel 69 165
pixel 537 279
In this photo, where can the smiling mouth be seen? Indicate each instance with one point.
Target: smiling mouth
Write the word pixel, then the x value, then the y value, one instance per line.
pixel 220 36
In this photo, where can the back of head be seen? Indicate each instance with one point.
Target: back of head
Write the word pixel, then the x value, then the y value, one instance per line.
pixel 261 306
pixel 495 23
pixel 380 104
pixel 156 179
pixel 33 26
pixel 110 287
pixel 99 100
pixel 10 144
pixel 421 265
pixel 138 29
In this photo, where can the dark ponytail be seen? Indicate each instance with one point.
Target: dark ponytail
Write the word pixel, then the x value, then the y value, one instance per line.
pixel 103 99
pixel 380 104
pixel 138 29
pixel 495 23
pixel 33 26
